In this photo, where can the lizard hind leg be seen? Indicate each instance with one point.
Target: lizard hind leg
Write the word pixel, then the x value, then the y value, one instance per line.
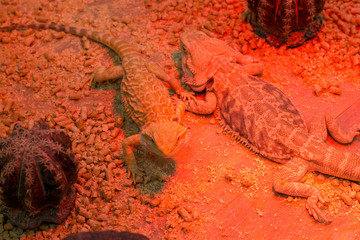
pixel 343 136
pixel 286 182
pixel 323 123
pixel 318 126
pixel 112 73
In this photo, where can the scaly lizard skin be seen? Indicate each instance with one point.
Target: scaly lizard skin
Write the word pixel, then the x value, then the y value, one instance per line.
pixel 146 100
pixel 262 118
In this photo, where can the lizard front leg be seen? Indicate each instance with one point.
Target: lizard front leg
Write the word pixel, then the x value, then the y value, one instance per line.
pixel 286 182
pixel 255 69
pixel 173 82
pixel 129 158
pixel 206 106
pixel 249 64
pixel 179 111
pixel 245 59
pixel 102 75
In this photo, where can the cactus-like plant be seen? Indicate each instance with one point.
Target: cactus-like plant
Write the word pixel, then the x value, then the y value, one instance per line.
pixel 106 235
pixel 37 173
pixel 289 22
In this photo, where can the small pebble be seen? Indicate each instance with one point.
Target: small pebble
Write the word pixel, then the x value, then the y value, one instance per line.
pixel 184 214
pixel 85 42
pixel 320 178
pixel 8 226
pixel 126 19
pixel 246 181
pixel 212 121
pixel 346 198
pixel 75 96
pixel 58 35
pixel 335 182
pixel 335 90
pixel 345 183
pixel 6 40
pixel 355 59
pixel 80 219
pixel 27 32
pixel 42 19
pixel 355 187
pixel 317 89
pixel 325 45
pixel 154 203
pixel 148 219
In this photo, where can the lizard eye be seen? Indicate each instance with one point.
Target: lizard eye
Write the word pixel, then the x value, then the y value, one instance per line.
pixel 184 49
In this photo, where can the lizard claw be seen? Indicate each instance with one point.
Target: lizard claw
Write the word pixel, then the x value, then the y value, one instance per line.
pixel 314 210
pixel 187 96
pixel 136 174
pixel 176 99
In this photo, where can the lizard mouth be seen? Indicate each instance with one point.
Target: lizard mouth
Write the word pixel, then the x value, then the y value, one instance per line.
pixel 198 88
pixel 189 72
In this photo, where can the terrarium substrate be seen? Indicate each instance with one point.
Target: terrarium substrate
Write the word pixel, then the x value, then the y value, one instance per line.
pixel 212 189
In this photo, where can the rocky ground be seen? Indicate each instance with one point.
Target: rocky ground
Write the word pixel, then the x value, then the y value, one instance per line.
pixel 46 75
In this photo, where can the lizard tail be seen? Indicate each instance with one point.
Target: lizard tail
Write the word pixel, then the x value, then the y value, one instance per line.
pixel 121 47
pixel 331 160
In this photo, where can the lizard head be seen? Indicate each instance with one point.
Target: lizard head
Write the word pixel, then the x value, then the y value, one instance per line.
pixel 165 137
pixel 200 54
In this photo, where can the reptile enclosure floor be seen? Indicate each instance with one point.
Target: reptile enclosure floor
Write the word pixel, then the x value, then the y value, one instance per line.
pixel 215 188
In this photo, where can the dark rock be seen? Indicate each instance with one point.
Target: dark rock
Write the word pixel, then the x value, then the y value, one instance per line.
pixel 286 22
pixel 106 235
pixel 37 172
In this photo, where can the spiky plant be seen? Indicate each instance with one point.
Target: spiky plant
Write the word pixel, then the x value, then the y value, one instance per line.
pixel 37 173
pixel 289 22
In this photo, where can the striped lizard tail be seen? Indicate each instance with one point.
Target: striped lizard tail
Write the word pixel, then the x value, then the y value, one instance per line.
pixel 121 47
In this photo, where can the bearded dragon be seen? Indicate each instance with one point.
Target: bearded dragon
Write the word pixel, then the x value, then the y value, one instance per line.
pixel 261 117
pixel 145 98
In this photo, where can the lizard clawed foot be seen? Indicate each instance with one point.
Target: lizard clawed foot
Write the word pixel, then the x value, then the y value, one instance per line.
pixel 255 69
pixel 136 174
pixel 314 210
pixel 246 59
pixel 187 96
pixel 176 99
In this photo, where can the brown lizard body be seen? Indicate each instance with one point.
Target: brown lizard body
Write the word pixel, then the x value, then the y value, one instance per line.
pixel 261 117
pixel 146 99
